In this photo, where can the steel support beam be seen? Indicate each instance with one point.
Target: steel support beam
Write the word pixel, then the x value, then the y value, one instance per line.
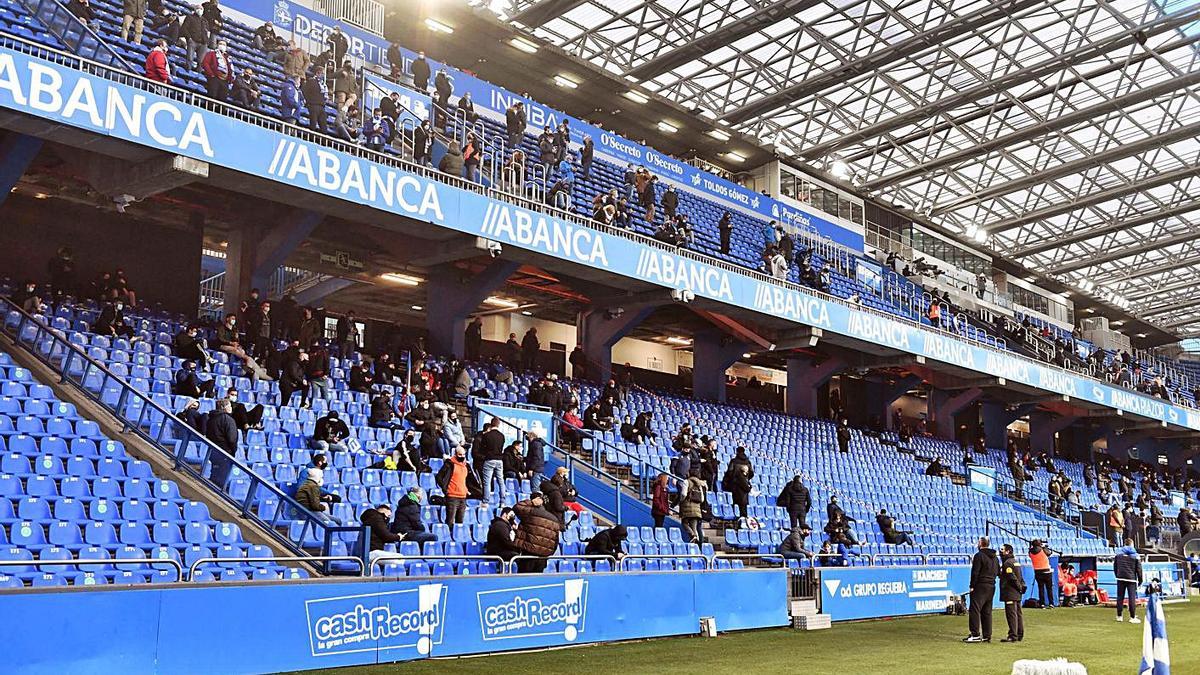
pixel 1110 227
pixel 545 11
pixel 17 152
pixel 323 289
pixel 1121 252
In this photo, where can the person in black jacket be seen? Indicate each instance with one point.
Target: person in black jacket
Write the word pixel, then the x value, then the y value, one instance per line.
pixel 833 509
pixel 737 482
pixel 535 456
pixel 293 379
pixel 188 383
pixel 338 43
pixel 420 73
pixel 843 435
pixel 502 534
pixel 608 542
pixel 245 417
pixel 514 461
pixel 1012 590
pixel 111 322
pixel 984 570
pixel 313 89
pixel 491 450
pixel 515 121
pixel 330 433
pixel 887 526
pixel 796 498
pixel 1127 569
pixel 407 520
pixel 377 520
pixel 586 156
pixel 530 347
pixel 222 430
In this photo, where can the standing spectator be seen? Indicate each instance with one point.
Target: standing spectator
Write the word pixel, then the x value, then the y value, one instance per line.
pixel 376 520
pixel 289 100
pixel 457 481
pixel 473 339
pixel 157 66
pixel 423 144
pixel 316 370
pixel 395 59
pixel 535 455
pixel 420 73
pixel 135 16
pixel 295 61
pixel 407 521
pixel 737 482
pixel 587 155
pixel 314 99
pixel 660 502
pixel 530 346
pixel 188 383
pixel 338 43
pixel 537 534
pixel 441 98
pixel 471 158
pixel 194 31
pixel 61 269
pixel 345 89
pixel 515 121
pixel 692 495
pixel 452 161
pixel 222 430
pixel 246 92
pixel 1042 574
pixel 984 570
pixel 218 71
pixel 725 227
pixel 1127 568
pixel 502 535
pixel 347 335
pixel 670 202
pixel 212 17
pixel 647 196
pixel 331 433
pixel 1012 589
pixel 293 379
pixel 796 498
pixel 467 107
pixel 492 453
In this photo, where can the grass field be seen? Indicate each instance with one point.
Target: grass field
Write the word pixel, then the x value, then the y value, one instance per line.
pixel 912 646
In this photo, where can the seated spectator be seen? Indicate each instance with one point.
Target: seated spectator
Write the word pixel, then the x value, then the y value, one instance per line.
pixel 452 161
pixel 407 521
pixel 309 495
pixel 188 383
pixel 561 495
pixel 829 556
pixel 502 535
pixel 267 41
pixel 514 461
pixel 629 432
pixel 82 9
pixel 376 520
pixel 642 425
pixel 331 433
pixel 246 418
pixel 189 345
pixel 404 456
pixel 571 427
pixel 227 340
pixel 27 298
pixel 361 378
pixel 592 419
pixel 608 542
pixel 792 546
pixel 838 529
pixel 891 535
pixel 111 322
pixel 191 415
pixel 292 379
pixel 421 417
pixel 383 414
pixel 376 131
pixel 246 92
pixel 936 468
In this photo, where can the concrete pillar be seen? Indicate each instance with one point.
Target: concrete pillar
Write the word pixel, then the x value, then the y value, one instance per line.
pixel 944 406
pixel 255 251
pixel 713 353
pixel 995 418
pixel 452 298
pixel 17 152
pixel 804 379
pixel 881 393
pixel 1043 427
pixel 598 330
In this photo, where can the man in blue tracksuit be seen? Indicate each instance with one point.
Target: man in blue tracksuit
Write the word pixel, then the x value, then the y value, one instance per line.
pixel 1127 568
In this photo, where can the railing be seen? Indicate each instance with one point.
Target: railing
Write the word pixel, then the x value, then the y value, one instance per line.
pixel 192 453
pixel 367 14
pixel 74 32
pixel 646 472
pixel 190 98
pixel 398 559
pixel 362 568
pixel 512 562
pixel 1042 530
pixel 1040 500
pixel 212 295
pixel 75 562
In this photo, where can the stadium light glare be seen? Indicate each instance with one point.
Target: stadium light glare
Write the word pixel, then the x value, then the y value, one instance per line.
pixel 402 279
pixel 681 341
pixel 719 135
pixel 840 169
pixel 734 157
pixel 438 27
pixel 747 355
pixel 980 236
pixel 501 302
pixel 667 127
pixel 417 308
pixel 637 97
pixel 565 82
pixel 527 312
pixel 524 45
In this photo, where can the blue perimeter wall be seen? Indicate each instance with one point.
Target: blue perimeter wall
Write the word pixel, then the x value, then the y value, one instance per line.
pixel 323 624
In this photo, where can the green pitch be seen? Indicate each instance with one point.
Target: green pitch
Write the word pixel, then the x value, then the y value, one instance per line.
pixel 912 646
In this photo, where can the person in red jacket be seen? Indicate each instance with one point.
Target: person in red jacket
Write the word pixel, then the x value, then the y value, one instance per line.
pixel 218 70
pixel 157 68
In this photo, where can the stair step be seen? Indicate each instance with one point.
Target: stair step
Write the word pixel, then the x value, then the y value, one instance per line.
pixel 814 622
pixel 798 608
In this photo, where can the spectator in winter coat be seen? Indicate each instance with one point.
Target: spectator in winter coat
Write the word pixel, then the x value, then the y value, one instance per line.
pixel 246 92
pixel 586 155
pixel 692 494
pixel 383 413
pixel 452 161
pixel 376 131
pixel 670 202
pixel 737 482
pixel 188 345
pixel 471 158
pixel 537 534
pixel 290 101
pixel 891 535
pixel 792 546
pixel 82 9
pixel 535 455
pixel 308 493
pixel 740 458
pixel 515 121
pixel 442 90
pixel 222 430
pixel 211 11
pixel 422 147
pixel 157 67
pixel 187 383
pixel 292 379
pixel 194 31
pixel 111 322
pixel 407 520
pixel 345 89
pixel 467 107
pixel 331 433
pixel 376 520
pixel 1127 568
pixel 796 498
pixel 660 503
pixel 295 62
pixel 420 72
pixel 502 535
pixel 514 461
pixel 530 348
pixel 315 99
pixel 267 41
pixel 338 43
pixel 135 16
pixel 608 542
pixel 218 71
pixel 458 482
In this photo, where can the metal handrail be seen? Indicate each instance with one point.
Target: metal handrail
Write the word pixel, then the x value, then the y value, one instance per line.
pixel 277 558
pixel 512 562
pixel 877 556
pixel 96 561
pixel 645 479
pixel 292 129
pixel 129 396
pixel 708 562
pixel 390 558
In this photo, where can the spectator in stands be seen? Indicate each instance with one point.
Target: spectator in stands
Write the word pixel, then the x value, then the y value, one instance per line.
pixel 1127 568
pixel 537 534
pixel 135 16
pixel 452 434
pixel 452 161
pixel 547 150
pixel 471 157
pixel 737 482
pixel 190 415
pixel 1012 589
pixel 530 347
pixel 289 100
pixel 111 322
pixel 560 192
pixel 984 570
pixel 331 433
pixel 293 379
pixel 267 41
pixel 227 340
pixel 587 155
pixel 473 339
pixel 467 107
pixel 407 521
pixel 502 535
pixel 796 498
pixel 27 298
pixel 492 455
pixel 647 196
pixel 295 61
pixel 157 67
pixel 535 456
pixel 514 461
pixel 257 325
pixel 420 73
pixel 82 9
pixel 892 535
pixel 423 144
pixel 829 556
pixel 316 371
pixel 188 383
pixel 725 229
pixel 246 417
pixel 310 496
pixel 515 121
pixel 347 335
pixel 692 495
pixel 442 90
pixel 376 520
pixel 345 87
pixel 1187 521
pixel 338 43
pixel 246 91
pixel 776 264
pixel 608 542
pixel 222 430
pixel 361 378
pixel 194 31
pixel 792 546
pixel 383 413
pixel 660 502
pixel 843 435
pixel 422 417
pixel 458 482
pixel 839 531
pixel 670 202
pixel 569 496
pixel 314 92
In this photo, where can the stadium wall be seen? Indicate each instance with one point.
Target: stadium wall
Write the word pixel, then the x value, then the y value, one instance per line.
pixel 230 628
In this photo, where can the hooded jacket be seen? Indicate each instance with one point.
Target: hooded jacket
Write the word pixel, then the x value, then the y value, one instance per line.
pixel 539 530
pixel 607 542
pixel 1127 566
pixel 407 519
pixel 795 497
pixel 500 539
pixel 380 534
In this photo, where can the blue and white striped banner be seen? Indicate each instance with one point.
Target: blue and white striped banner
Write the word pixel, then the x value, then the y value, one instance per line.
pixel 1156 653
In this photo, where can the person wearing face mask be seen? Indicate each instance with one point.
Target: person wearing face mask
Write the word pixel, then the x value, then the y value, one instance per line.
pixel 218 70
pixel 457 481
pixel 27 297
pixel 330 433
pixel 246 417
pixel 376 131
pixel 308 494
pixel 228 341
pixel 189 345
pixel 293 379
pixel 452 434
pixel 188 383
pixel 111 322
pixel 407 520
pixel 191 416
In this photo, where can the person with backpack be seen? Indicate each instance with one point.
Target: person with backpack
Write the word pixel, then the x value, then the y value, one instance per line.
pixel 692 495
pixel 1012 589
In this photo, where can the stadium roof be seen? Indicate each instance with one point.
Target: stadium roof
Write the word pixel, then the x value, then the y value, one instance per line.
pixel 1064 130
